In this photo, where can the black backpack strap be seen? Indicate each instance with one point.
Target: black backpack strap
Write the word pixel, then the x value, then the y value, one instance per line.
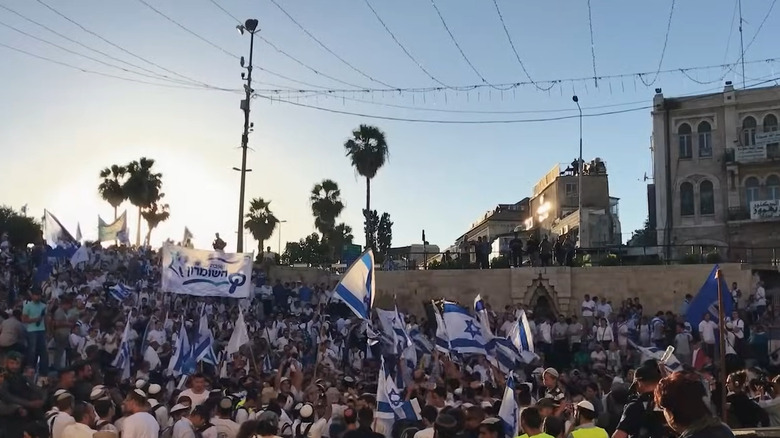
pixel 305 433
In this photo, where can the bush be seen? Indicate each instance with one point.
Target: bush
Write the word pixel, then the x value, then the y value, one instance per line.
pixel 500 262
pixel 690 259
pixel 713 258
pixel 610 260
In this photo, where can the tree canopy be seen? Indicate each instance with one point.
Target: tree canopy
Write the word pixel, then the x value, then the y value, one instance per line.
pixel 22 230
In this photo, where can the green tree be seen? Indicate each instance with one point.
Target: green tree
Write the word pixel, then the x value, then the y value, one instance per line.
pixel 110 189
pixel 311 250
pixel 384 234
pixel 326 205
pixel 154 215
pixel 368 152
pixel 143 188
pixel 371 225
pixel 260 221
pixel 22 230
pixel 342 236
pixel 644 236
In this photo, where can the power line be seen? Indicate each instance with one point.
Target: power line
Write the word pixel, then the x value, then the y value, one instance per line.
pixel 457 45
pixel 65 37
pixel 108 75
pixel 219 6
pixel 100 37
pixel 514 50
pixel 452 122
pixel 403 48
pixel 731 30
pixel 592 45
pixel 760 26
pixel 188 30
pixel 514 85
pixel 328 49
pixel 663 50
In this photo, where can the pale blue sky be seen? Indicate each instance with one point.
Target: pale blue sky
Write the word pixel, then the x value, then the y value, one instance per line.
pixel 59 127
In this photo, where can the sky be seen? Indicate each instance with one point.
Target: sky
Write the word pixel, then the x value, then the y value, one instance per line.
pixel 59 126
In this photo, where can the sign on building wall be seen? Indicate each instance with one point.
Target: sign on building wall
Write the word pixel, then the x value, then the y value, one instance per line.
pixel 756 151
pixel 765 209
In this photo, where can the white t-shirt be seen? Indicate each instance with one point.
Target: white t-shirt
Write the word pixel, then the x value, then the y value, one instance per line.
pixel 760 296
pixel 61 420
pixel 197 399
pixel 707 331
pixel 225 427
pixel 588 307
pixel 140 425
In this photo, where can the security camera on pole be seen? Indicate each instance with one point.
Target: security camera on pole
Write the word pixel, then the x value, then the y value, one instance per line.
pixel 251 27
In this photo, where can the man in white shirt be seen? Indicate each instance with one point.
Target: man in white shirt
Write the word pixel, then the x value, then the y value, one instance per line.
pixel 139 424
pixel 197 391
pixel 307 427
pixel 84 414
pixel 429 415
pixel 588 309
pixel 604 309
pixel 158 410
pixel 707 329
pixel 760 299
pixel 60 416
pixel 182 428
pixel 226 427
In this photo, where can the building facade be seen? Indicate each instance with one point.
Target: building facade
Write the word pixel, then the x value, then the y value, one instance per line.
pixel 497 225
pixel 717 172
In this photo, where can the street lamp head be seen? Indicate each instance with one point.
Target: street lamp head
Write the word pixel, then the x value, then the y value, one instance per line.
pixel 240 28
pixel 251 25
pixel 575 98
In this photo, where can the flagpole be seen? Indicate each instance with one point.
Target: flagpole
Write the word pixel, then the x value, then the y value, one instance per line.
pixel 722 345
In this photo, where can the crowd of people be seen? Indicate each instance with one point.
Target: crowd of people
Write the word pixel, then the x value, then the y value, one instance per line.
pixel 307 371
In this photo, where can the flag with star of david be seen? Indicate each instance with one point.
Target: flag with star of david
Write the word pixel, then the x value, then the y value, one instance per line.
pixel 391 403
pixel 463 330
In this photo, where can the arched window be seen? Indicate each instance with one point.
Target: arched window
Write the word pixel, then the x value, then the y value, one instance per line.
pixel 751 190
pixel 706 198
pixel 773 187
pixel 749 131
pixel 686 199
pixel 770 125
pixel 705 139
pixel 684 140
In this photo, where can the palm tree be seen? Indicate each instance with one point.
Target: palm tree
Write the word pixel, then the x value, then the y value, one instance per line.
pixel 368 152
pixel 341 236
pixel 326 205
pixel 260 221
pixel 142 187
pixel 154 215
pixel 110 189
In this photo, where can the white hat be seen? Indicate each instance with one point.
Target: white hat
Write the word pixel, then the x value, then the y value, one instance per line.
pixel 154 389
pixel 179 407
pixel 62 394
pixel 586 405
pixel 140 383
pixel 306 411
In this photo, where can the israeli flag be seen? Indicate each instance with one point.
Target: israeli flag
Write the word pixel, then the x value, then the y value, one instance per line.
pixel 181 361
pixel 53 231
pixel 123 354
pixel 267 365
pixel 442 339
pixel 394 327
pixel 652 353
pixel 509 412
pixel 357 286
pixel 463 330
pixel 482 316
pixel 203 347
pixel 421 343
pixel 120 292
pixel 390 401
pixel 522 338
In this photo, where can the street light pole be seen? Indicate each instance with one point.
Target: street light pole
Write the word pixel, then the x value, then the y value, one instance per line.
pixel 251 27
pixel 279 248
pixel 580 165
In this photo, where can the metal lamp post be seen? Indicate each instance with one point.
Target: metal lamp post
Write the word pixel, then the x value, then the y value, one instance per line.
pixel 580 165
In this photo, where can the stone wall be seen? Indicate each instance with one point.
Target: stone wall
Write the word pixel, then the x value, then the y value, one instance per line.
pixel 658 287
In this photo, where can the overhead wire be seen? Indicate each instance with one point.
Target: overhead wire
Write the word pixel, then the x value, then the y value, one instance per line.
pixel 731 30
pixel 328 49
pixel 402 47
pixel 514 50
pixel 592 45
pixel 111 43
pixel 760 26
pixel 663 50
pixel 457 45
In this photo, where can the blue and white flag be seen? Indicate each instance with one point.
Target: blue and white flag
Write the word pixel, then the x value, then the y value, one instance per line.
pixel 463 330
pixel 509 412
pixel 123 354
pixel 267 365
pixel 80 256
pixel 182 361
pixel 422 343
pixel 358 286
pixel 120 292
pixel 54 233
pixel 116 230
pixel 522 338
pixel 482 316
pixel 706 301
pixel 442 339
pixel 394 327
pixel 652 353
pixel 203 347
pixel 390 401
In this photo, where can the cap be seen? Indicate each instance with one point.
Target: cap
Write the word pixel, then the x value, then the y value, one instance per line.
pixel 178 408
pixel 62 394
pixel 98 392
pixel 14 355
pixel 546 403
pixel 586 405
pixel 140 393
pixel 551 371
pixel 648 372
pixel 140 383
pixel 154 389
pixel 306 411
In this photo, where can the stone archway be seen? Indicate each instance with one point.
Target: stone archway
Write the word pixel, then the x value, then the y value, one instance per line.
pixel 541 297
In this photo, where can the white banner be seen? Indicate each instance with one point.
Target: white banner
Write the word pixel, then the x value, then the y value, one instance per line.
pixel 206 273
pixel 116 230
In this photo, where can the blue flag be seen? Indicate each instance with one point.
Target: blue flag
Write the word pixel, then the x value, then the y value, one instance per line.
pixel 707 299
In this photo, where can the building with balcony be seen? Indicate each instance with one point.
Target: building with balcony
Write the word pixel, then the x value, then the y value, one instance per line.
pixel 717 170
pixel 555 206
pixel 497 225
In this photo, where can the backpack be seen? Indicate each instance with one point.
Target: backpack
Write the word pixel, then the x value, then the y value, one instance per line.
pixel 100 423
pixel 305 433
pixel 405 428
pixel 286 430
